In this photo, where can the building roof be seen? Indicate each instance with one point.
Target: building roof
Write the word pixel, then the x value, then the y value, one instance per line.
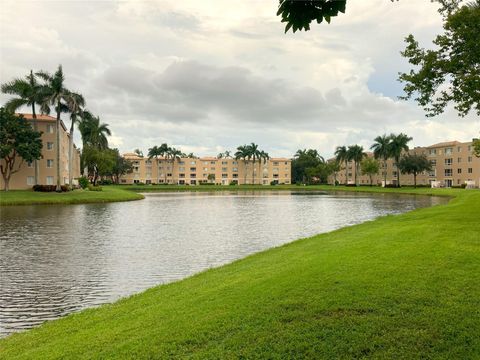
pixel 447 143
pixel 41 117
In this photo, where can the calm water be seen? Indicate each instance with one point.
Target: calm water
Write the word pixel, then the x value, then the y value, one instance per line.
pixel 55 260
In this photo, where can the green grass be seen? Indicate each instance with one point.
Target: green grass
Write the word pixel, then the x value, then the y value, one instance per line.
pixel 399 287
pixel 29 197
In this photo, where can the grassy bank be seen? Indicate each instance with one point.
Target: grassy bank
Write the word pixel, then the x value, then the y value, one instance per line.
pixel 403 287
pixel 29 197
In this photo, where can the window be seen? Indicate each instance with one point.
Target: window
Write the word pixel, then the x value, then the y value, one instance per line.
pixel 49 163
pixel 193 175
pixel 50 129
pixel 459 160
pixel 448 172
pixel 286 162
pixel 459 171
pixel 148 162
pixel 235 176
pixel 181 168
pixel 224 176
pixel 181 175
pixel 30 180
pixel 432 151
pixel 470 170
pixel 49 145
pixel 448 162
pixel 193 162
pixel 234 162
pixel 205 169
pixel 205 176
pixel 275 163
pixel 469 148
pixel 224 162
pixel 224 169
pixel 212 169
pixel 459 149
pixel 181 163
pixel 235 169
pixel 205 163
pixel 169 175
pixel 448 151
pixel 49 180
pixel 469 159
pixel 212 162
pixel 193 169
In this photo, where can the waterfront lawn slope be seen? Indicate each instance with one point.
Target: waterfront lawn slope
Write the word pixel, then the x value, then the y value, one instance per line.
pixel 29 197
pixel 399 287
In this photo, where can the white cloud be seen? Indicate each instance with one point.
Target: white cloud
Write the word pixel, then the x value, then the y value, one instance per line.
pixel 209 76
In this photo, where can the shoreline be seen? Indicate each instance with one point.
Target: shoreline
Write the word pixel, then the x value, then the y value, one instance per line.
pixel 387 278
pixel 118 193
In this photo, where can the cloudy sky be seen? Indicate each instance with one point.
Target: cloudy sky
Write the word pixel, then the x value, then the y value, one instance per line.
pixel 207 76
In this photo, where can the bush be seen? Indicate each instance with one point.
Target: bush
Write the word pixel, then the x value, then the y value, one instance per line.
pixel 49 188
pixel 274 182
pixel 105 182
pixel 233 183
pixel 94 188
pixel 83 182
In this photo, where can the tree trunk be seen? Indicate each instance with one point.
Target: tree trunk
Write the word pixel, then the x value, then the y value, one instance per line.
pixel 356 174
pixel 385 172
pixel 346 173
pixel 245 172
pixel 70 154
pixel 59 187
pixel 371 180
pixel 253 172
pixel 398 172
pixel 415 180
pixel 35 163
pixel 6 180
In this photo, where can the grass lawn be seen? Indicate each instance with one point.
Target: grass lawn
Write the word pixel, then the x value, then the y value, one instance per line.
pixel 29 197
pixel 399 287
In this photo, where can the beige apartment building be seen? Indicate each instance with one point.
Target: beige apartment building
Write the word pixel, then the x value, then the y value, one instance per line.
pixel 453 164
pixel 25 178
pixel 196 171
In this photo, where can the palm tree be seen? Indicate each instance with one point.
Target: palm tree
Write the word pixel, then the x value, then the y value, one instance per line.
pixel 94 133
pixel 300 153
pixel 355 153
pixel 254 153
pixel 382 150
pixel 398 144
pixel 263 157
pixel 58 95
pixel 243 153
pixel 29 93
pixel 75 104
pixel 341 154
pixel 164 151
pixel 175 154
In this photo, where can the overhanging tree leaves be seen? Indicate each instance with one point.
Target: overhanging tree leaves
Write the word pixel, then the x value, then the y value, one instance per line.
pixel 451 73
pixel 18 143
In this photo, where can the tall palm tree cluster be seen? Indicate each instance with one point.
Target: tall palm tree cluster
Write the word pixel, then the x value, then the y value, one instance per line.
pixel 169 154
pixel 47 90
pixel 384 147
pixel 251 154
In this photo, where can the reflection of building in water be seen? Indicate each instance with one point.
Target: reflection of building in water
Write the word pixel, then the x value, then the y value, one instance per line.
pixel 453 164
pixel 207 170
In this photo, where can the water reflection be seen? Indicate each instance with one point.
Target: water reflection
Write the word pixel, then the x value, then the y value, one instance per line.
pixel 58 259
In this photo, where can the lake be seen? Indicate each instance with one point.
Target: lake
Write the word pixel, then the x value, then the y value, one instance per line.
pixel 55 260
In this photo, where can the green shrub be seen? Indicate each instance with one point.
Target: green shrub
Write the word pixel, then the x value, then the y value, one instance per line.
pixel 94 188
pixel 83 182
pixel 49 188
pixel 105 182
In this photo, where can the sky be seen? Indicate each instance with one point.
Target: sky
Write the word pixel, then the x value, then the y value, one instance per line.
pixel 208 76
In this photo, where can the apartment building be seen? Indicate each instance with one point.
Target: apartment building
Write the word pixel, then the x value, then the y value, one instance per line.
pixel 453 164
pixel 196 171
pixel 25 177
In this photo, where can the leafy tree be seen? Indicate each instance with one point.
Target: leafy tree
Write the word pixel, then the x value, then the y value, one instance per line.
pixel 120 167
pixel 211 178
pixel 56 94
pixel 100 161
pixel 414 164
pixel 451 72
pixel 356 154
pixel 305 165
pixel 382 150
pixel 334 168
pixel 370 167
pixel 299 14
pixel 175 155
pixel 19 142
pixel 398 144
pixel 138 152
pixel 341 154
pixel 28 92
pixel 476 147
